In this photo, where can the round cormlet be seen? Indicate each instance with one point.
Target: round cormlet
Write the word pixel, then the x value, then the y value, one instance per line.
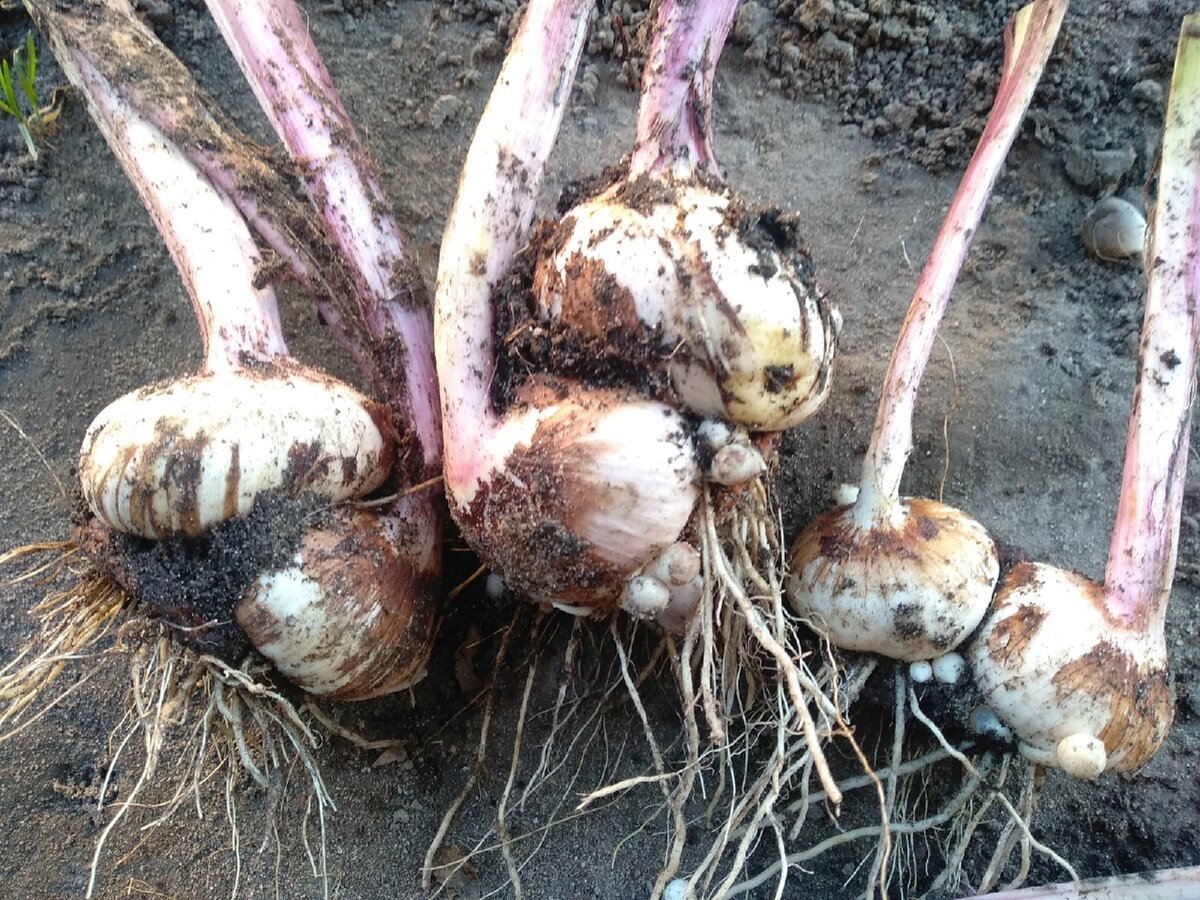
pixel 1081 756
pixel 921 672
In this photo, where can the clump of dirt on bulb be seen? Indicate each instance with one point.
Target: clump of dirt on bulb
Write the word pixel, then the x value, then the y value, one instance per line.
pixel 192 585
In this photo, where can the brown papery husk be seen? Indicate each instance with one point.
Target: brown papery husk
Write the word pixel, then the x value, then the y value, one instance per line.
pixel 363 625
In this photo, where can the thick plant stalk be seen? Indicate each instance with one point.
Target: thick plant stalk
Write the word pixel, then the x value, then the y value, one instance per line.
pixel 674 123
pixel 1145 538
pixel 911 578
pixel 146 492
pixel 491 216
pixel 164 92
pixel 271 43
pixel 1027 48
pixel 1078 669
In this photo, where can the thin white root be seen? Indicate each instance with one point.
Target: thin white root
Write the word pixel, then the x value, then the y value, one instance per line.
pixel 205 717
pixel 230 720
pixel 430 864
pixel 1016 817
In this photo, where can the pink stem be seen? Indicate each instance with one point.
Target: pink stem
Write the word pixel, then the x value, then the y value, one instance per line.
pixel 202 229
pixel 1141 557
pixel 1165 884
pixel 270 40
pixel 491 217
pixel 185 115
pixel 674 123
pixel 891 440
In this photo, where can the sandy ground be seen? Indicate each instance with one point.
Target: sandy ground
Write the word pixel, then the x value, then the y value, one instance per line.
pixel 1021 420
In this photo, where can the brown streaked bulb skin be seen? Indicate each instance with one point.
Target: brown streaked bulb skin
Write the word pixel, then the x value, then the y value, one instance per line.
pixel 352 616
pixel 1057 667
pixel 593 494
pixel 910 588
pixel 679 275
pixel 180 457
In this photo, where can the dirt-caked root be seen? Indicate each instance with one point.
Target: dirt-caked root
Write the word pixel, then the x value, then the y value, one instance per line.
pixel 759 696
pixel 79 611
pixel 197 720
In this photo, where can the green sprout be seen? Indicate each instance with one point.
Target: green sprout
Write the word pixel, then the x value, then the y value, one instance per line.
pixel 17 93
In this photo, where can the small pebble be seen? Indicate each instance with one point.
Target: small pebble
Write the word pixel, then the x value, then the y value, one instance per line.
pixel 1148 92
pixel 675 890
pixel 1113 230
pixel 445 108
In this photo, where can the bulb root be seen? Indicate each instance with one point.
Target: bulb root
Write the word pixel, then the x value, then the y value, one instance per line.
pixel 209 717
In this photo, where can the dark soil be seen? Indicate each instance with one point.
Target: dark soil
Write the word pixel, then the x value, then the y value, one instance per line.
pixel 858 116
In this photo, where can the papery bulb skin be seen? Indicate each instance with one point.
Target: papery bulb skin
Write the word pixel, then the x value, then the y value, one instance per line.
pixel 679 276
pixel 180 457
pixel 1060 670
pixel 910 589
pixel 351 616
pixel 593 487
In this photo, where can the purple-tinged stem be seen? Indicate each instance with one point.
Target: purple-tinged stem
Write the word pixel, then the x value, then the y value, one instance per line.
pixel 153 82
pixel 1028 41
pixel 201 227
pixel 1141 557
pixel 270 40
pixel 491 218
pixel 674 122
pixel 1165 884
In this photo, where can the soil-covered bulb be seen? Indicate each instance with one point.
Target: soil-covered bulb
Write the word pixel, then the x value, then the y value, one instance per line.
pixel 180 457
pixel 910 586
pixel 678 274
pixel 1081 689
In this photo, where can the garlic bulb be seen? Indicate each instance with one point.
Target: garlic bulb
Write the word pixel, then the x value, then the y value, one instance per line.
pixel 178 458
pixel 586 490
pixel 675 272
pixel 1081 690
pixel 910 591
pixel 351 616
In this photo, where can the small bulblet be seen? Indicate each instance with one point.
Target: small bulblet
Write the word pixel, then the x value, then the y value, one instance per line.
pixel 911 589
pixel 178 458
pixel 351 615
pixel 1081 690
pixel 593 487
pixel 678 276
